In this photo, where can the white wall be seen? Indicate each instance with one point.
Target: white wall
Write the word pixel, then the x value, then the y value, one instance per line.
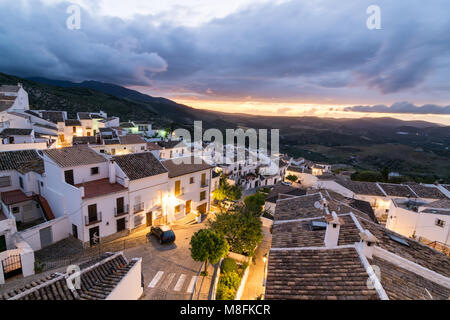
pixel 23 146
pixel 130 287
pixel 61 229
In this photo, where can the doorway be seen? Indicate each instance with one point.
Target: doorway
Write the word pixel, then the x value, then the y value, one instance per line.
pixel 149 219
pixel 120 224
pixel 2 243
pixel 46 236
pixel 68 175
pixel 94 236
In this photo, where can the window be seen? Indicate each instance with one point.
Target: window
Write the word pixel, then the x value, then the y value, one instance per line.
pixel 188 206
pixel 21 182
pixel 74 129
pixel 203 179
pixel 5 181
pixel 68 176
pixel 191 180
pixel 440 223
pixel 177 209
pixel 177 188
pixel 94 171
pixel 113 151
pixel 15 209
pixel 142 148
pixel 202 195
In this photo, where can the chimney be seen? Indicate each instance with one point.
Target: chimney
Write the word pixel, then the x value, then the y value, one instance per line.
pixel 368 241
pixel 332 233
pixel 112 172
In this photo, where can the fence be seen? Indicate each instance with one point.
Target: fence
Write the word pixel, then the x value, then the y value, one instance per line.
pixel 73 253
pixel 439 246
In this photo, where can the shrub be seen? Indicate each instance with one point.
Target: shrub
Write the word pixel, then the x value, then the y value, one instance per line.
pixel 229 265
pixel 230 280
pixel 225 293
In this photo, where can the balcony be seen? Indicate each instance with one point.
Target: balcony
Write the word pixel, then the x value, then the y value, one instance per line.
pixel 123 211
pixel 180 193
pixel 90 220
pixel 204 184
pixel 138 207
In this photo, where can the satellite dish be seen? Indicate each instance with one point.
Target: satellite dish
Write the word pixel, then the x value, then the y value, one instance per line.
pixel 317 205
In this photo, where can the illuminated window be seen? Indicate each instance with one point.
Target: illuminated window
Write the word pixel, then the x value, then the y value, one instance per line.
pixel 440 223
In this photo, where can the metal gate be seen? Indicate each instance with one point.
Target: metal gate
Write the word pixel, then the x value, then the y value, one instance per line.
pixel 12 266
pixel 46 236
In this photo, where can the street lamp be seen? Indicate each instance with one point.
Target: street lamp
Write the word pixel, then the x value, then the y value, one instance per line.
pixel 265 268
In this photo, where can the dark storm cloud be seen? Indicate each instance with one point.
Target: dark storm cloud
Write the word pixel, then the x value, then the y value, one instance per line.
pixel 295 49
pixel 402 107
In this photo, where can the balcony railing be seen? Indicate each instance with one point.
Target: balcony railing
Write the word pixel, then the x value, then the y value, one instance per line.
pixel 138 207
pixel 121 212
pixel 93 220
pixel 204 184
pixel 179 193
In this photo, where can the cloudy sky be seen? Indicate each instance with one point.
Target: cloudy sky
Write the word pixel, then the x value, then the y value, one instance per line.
pixel 265 56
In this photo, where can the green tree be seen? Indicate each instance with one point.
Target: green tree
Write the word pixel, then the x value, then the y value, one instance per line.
pixel 241 228
pixel 226 192
pixel 234 193
pixel 293 178
pixel 255 202
pixel 208 245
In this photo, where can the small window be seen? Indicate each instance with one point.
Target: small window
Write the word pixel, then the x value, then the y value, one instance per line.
pixel 5 181
pixel 318 225
pixel 202 195
pixel 397 239
pixel 42 184
pixel 94 171
pixel 178 209
pixel 142 148
pixel 15 210
pixel 21 182
pixel 440 223
pixel 74 129
pixel 191 180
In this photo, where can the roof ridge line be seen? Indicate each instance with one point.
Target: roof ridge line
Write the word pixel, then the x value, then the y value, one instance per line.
pixel 372 276
pixel 412 267
pixel 346 246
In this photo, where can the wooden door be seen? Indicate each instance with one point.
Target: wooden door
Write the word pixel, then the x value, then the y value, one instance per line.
pixel 149 219
pixel 94 235
pixel 120 224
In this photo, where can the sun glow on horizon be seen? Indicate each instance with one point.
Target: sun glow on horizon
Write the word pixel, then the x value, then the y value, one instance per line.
pixel 291 109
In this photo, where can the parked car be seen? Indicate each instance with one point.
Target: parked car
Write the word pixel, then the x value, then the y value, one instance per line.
pixel 163 233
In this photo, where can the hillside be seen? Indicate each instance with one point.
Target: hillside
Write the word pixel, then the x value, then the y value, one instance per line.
pixel 416 148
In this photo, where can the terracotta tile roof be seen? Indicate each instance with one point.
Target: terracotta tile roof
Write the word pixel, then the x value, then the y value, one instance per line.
pixel 72 123
pixel 53 116
pixel 109 142
pixel 427 192
pixel 397 190
pixel 127 125
pixel 13 197
pixel 84 140
pixel 132 139
pixel 273 195
pixel 5 105
pixel 359 187
pixel 15 132
pixel 317 275
pixel 299 208
pixel 13 160
pixel 140 165
pixel 186 165
pixel 84 116
pixel 171 144
pixel 9 88
pixel 299 234
pixel 33 165
pixel 101 187
pixel 105 130
pixel 446 186
pixel 45 126
pixel 153 146
pixel 98 280
pixel 401 284
pixel 415 252
pixel 437 211
pixel 439 204
pixel 74 156
pixel 7 98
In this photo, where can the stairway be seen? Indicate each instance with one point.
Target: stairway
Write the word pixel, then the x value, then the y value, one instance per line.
pixel 189 219
pixel 48 213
